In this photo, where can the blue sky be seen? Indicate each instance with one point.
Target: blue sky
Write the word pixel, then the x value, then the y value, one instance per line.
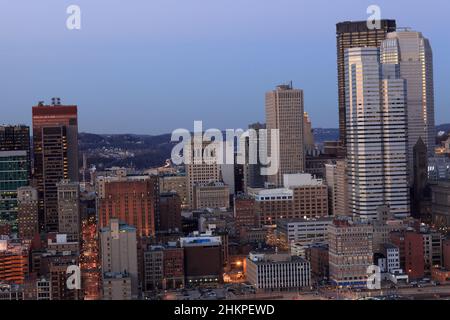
pixel 151 66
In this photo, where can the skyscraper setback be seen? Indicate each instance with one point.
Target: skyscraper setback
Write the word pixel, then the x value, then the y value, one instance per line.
pixel 55 140
pixel 355 34
pixel 284 111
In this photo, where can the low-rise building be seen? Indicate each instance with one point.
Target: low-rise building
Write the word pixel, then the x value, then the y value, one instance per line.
pixel 267 272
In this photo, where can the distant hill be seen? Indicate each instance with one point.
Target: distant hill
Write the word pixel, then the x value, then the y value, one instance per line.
pixel 145 151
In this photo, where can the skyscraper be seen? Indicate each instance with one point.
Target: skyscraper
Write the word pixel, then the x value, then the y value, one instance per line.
pixel 284 111
pixel 55 141
pixel 27 212
pixel 354 34
pixel 376 134
pixel 69 221
pixel 119 253
pixel 14 173
pixel 412 52
pixel 15 169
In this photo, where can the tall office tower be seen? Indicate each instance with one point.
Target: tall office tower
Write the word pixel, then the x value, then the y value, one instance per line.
pixel 350 251
pixel 354 34
pixel 308 136
pixel 252 171
pixel 27 212
pixel 55 141
pixel 420 191
pixel 132 199
pixel 412 51
pixel 15 169
pixel 119 253
pixel 69 222
pixel 376 135
pixel 284 111
pixel 14 173
pixel 205 171
pixel 15 138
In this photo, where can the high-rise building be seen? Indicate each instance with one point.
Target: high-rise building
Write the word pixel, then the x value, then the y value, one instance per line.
pixel 175 183
pixel 27 212
pixel 376 132
pixel 412 52
pixel 14 173
pixel 203 168
pixel 55 147
pixel 119 254
pixel 252 171
pixel 16 138
pixel 440 204
pixel 132 199
pixel 354 34
pixel 336 179
pixel 14 263
pixel 69 222
pixel 284 112
pixel 308 135
pixel 350 252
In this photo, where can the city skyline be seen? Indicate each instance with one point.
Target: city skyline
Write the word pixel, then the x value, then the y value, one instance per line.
pixel 127 57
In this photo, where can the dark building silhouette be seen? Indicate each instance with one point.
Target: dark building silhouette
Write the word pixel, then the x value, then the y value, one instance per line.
pixel 55 148
pixel 354 34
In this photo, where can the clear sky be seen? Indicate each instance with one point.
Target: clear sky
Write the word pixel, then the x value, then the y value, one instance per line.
pixel 151 66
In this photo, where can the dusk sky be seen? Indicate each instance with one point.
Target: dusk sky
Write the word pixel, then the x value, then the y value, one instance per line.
pixel 151 66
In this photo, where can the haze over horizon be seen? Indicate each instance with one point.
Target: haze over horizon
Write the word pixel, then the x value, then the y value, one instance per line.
pixel 150 67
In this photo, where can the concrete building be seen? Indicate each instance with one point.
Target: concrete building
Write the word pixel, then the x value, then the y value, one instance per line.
pixel 301 233
pixel 211 195
pixel 119 252
pixel 164 267
pixel 284 112
pixel 440 204
pixel 203 166
pixel 267 272
pixel 27 212
pixel 336 180
pixel 117 286
pixel 376 111
pixel 350 252
pixel 69 221
pixel 302 197
pixel 177 184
